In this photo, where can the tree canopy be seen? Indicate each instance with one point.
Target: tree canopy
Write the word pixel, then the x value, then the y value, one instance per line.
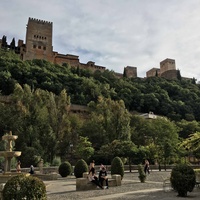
pixel 176 99
pixel 42 92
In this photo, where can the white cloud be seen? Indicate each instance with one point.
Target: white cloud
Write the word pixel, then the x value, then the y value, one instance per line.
pixel 115 33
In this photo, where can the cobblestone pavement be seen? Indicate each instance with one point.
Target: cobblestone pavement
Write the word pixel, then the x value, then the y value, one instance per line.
pixel 131 188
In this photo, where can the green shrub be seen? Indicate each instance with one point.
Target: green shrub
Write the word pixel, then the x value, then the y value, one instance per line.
pixel 80 167
pixel 142 176
pixel 183 179
pixel 65 169
pixel 117 166
pixel 46 164
pixel 56 161
pixel 24 187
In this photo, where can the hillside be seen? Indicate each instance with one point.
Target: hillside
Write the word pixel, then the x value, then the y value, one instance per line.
pixel 176 99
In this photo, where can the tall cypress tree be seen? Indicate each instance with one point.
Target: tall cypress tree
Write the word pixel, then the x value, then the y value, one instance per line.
pixel 12 44
pixel 179 75
pixel 4 43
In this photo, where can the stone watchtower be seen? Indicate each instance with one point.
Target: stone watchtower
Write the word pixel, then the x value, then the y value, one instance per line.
pixel 39 40
pixel 168 69
pixel 130 72
pixel 166 65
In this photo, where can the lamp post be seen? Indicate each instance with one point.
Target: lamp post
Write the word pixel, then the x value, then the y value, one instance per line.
pixel 71 148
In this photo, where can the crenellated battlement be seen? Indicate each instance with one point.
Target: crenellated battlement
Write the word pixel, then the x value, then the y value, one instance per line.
pixel 40 21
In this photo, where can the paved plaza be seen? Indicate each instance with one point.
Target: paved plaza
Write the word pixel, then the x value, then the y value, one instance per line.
pixel 131 188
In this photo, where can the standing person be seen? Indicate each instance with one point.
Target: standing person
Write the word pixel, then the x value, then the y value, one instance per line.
pixel 146 167
pixel 92 176
pixel 31 170
pixel 92 165
pixel 103 176
pixel 18 167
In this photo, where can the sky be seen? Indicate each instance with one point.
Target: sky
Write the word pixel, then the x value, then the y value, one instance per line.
pixel 115 33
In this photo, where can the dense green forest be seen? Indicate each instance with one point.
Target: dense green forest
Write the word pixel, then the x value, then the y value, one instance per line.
pixel 176 99
pixel 42 92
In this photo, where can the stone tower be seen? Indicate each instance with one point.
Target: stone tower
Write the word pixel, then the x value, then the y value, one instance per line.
pixel 39 40
pixel 166 65
pixel 130 72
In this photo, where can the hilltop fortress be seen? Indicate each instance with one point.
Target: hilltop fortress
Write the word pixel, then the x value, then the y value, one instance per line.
pixel 38 45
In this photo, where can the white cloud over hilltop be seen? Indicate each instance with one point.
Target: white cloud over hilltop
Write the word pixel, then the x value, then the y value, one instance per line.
pixel 115 33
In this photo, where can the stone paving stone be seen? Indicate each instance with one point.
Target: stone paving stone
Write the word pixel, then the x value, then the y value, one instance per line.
pixel 131 188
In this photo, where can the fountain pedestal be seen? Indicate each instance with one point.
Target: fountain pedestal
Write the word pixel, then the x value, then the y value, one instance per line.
pixel 8 154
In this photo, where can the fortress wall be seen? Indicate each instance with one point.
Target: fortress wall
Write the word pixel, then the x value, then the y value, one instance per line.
pixel 60 59
pixel 118 75
pixel 92 67
pixel 152 72
pixel 170 74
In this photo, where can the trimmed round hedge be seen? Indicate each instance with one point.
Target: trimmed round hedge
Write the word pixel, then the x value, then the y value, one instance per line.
pixel 80 167
pixel 65 169
pixel 117 167
pixel 183 179
pixel 24 187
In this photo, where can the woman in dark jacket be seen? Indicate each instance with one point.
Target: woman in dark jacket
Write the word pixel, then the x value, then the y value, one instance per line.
pixel 93 178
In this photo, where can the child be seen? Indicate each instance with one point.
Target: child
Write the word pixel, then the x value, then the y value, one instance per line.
pixel 18 167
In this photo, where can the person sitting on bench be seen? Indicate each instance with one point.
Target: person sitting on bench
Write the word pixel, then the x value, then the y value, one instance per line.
pixel 103 176
pixel 93 178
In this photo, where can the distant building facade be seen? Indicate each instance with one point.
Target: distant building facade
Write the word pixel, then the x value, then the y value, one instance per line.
pixel 153 72
pixel 149 115
pixel 38 45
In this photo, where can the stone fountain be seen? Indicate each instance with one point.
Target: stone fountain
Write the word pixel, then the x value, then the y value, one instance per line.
pixel 8 154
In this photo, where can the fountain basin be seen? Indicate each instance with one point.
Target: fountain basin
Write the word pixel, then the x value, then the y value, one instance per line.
pixel 10 154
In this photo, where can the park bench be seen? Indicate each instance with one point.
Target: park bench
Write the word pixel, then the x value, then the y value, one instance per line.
pixel 84 184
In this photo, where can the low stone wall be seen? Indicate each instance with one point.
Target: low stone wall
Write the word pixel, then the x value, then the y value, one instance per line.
pixel 85 184
pixel 46 177
pixel 45 170
pixel 4 179
pixel 48 170
pixel 118 179
pixel 1 190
